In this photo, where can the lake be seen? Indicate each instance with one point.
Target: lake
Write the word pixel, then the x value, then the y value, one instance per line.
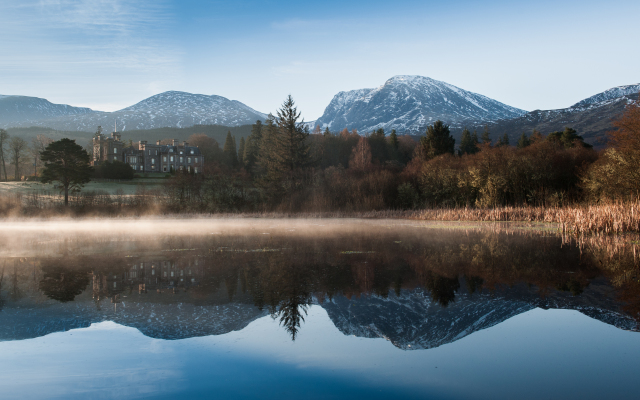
pixel 319 309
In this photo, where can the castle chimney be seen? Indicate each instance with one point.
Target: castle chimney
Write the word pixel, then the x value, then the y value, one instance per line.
pixel 158 142
pixel 175 142
pixel 185 144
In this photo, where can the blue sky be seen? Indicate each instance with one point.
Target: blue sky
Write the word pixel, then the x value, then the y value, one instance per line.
pixel 109 54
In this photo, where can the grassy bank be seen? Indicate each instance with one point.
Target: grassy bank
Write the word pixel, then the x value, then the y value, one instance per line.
pixel 577 220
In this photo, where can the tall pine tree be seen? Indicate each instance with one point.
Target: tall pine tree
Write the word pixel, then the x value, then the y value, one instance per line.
pixel 229 151
pixel 438 141
pixel 486 138
pixel 523 141
pixel 252 146
pixel 290 145
pixel 467 143
pixel 241 152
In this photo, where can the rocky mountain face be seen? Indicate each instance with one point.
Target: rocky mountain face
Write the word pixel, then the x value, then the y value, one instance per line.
pixel 592 117
pixel 412 320
pixel 409 104
pixel 168 109
pixel 26 111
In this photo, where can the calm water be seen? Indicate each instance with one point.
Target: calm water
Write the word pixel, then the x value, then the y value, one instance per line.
pixel 315 309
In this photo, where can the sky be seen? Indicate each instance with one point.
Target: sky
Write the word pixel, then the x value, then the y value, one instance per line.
pixel 110 54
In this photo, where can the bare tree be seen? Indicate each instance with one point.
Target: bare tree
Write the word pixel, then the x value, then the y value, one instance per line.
pixel 38 144
pixel 4 138
pixel 17 147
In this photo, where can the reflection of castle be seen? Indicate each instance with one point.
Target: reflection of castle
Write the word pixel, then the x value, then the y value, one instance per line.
pixel 156 274
pixel 148 158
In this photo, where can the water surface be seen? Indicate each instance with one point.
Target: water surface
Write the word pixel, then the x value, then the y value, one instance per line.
pixel 314 309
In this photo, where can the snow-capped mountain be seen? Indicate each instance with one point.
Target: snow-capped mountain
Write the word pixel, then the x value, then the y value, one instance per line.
pixel 168 109
pixel 412 320
pixel 409 104
pixel 591 117
pixel 607 95
pixel 20 110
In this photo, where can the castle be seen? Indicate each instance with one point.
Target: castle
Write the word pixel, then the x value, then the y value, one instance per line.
pixel 148 158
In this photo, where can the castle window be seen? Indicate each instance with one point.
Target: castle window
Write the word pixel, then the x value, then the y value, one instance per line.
pixel 195 170
pixel 191 151
pixel 171 158
pixel 189 160
pixel 164 158
pixel 195 160
pixel 181 160
pixel 115 150
pixel 153 161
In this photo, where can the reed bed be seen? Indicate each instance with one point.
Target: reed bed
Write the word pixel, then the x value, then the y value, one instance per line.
pixel 576 220
pixel 614 218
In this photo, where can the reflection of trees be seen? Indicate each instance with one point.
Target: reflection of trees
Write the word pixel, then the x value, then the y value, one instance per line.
pixel 281 273
pixel 61 282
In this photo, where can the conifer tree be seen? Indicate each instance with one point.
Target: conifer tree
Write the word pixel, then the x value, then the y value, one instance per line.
pixel 327 132
pixel 241 149
pixel 504 140
pixel 252 146
pixel 229 151
pixel 523 141
pixel 438 141
pixel 467 143
pixel 393 140
pixel 486 139
pixel 290 145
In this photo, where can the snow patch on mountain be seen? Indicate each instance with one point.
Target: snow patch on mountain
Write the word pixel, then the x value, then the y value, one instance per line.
pixel 608 95
pixel 409 103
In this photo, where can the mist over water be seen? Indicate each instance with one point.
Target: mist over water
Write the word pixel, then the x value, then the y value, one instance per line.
pixel 322 286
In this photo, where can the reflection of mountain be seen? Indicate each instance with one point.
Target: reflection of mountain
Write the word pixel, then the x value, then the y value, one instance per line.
pixel 161 316
pixel 413 320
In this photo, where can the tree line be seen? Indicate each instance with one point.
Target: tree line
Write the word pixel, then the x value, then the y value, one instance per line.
pixel 282 166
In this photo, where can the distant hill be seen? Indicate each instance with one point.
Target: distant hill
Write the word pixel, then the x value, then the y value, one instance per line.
pixel 25 110
pixel 409 104
pixel 592 119
pixel 168 109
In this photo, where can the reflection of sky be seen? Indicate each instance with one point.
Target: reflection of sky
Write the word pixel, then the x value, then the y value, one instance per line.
pixel 538 354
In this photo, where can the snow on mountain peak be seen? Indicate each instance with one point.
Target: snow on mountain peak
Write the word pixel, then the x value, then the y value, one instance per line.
pixel 609 94
pixel 408 103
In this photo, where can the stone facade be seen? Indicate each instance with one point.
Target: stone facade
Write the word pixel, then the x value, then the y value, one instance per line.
pixel 148 158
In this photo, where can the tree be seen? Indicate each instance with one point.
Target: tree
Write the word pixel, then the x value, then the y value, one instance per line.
pixel 438 141
pixel 361 155
pixel 67 163
pixel 523 141
pixel 486 136
pixel 467 143
pixel 291 147
pixel 241 152
pixel 568 138
pixel 252 146
pixel 229 151
pixel 504 140
pixel 17 147
pixel 208 146
pixel 4 138
pixel 38 144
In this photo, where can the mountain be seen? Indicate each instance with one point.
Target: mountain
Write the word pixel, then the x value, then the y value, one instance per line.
pixel 23 110
pixel 409 104
pixel 168 109
pixel 412 320
pixel 592 117
pixel 607 95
